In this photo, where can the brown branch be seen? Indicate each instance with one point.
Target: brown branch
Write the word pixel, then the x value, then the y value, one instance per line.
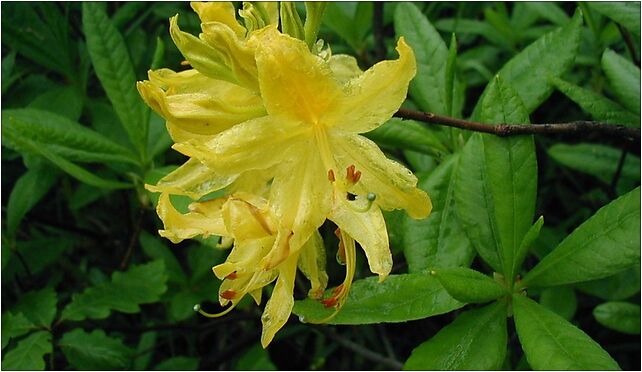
pixel 377 28
pixel 506 130
pixel 359 349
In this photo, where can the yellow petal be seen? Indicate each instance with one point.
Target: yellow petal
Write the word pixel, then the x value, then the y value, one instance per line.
pixel 369 230
pixel 245 257
pixel 192 179
pixel 344 67
pixel 222 12
pixel 278 308
pixel 207 60
pixel 312 265
pixel 257 15
pixel 198 104
pixel 371 98
pixel 301 194
pixel 238 56
pixel 295 84
pixel 207 221
pixel 179 134
pixel 255 144
pixel 245 220
pixel 394 185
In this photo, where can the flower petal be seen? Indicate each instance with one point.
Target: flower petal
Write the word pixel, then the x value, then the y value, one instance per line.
pixel 258 14
pixel 373 97
pixel 394 185
pixel 206 220
pixel 278 308
pixel 344 67
pixel 192 179
pixel 245 220
pixel 222 12
pixel 369 230
pixel 312 265
pixel 198 104
pixel 295 83
pixel 202 56
pixel 244 257
pixel 301 194
pixel 255 144
pixel 235 53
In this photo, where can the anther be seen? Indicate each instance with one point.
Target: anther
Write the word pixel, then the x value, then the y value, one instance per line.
pixel 232 276
pixel 350 172
pixel 330 302
pixel 331 175
pixel 228 294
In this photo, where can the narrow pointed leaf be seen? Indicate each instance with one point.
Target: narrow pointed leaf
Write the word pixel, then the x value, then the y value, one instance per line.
pixel 605 244
pixel 27 192
pixel 597 160
pixel 549 56
pixel 114 68
pixel 626 13
pixel 620 316
pixel 469 286
pixel 398 299
pixel 624 78
pixel 497 181
pixel 599 107
pixel 552 343
pixel 476 340
pixel 438 241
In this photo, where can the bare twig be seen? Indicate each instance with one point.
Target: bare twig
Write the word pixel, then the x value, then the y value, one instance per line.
pixel 506 130
pixel 629 44
pixel 377 29
pixel 134 239
pixel 618 171
pixel 359 349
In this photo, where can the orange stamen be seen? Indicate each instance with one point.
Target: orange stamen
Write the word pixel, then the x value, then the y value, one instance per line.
pixel 228 294
pixel 330 302
pixel 232 276
pixel 350 172
pixel 331 175
pixel 357 176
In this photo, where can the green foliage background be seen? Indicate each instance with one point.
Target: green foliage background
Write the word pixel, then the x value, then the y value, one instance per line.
pixel 88 284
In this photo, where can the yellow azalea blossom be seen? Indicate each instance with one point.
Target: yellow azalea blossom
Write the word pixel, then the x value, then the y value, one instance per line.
pixel 278 127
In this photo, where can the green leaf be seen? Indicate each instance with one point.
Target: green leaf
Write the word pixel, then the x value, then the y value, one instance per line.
pixel 8 78
pixel 561 300
pixel 156 249
pixel 63 137
pixel 626 13
pixel 116 73
pixel 624 79
pixel 549 56
pixel 255 358
pixel 409 135
pixel 38 306
pixel 552 343
pixel 476 340
pixel 27 192
pixel 438 241
pixel 398 299
pixel 179 363
pixel 43 38
pixel 95 350
pixel 605 244
pixel 599 107
pixel 549 11
pixel 159 54
pixel 14 325
pixel 620 316
pixel 144 349
pixel 529 239
pixel 616 287
pixel 428 88
pixel 65 101
pixel 72 169
pixel 29 353
pixel 469 286
pixel 496 183
pixel 141 284
pixel 350 20
pixel 597 160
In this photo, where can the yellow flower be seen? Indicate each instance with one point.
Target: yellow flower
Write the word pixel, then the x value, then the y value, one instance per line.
pixel 279 128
